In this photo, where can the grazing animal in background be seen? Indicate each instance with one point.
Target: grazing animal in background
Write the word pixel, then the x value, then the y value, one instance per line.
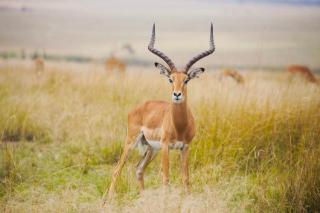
pixel 303 71
pixel 160 125
pixel 234 75
pixel 39 64
pixel 115 64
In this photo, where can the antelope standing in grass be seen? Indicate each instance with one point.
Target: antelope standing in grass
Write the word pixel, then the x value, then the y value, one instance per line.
pixel 114 64
pixel 39 64
pixel 303 71
pixel 234 75
pixel 159 125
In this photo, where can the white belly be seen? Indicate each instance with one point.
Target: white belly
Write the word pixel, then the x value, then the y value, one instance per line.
pixel 157 145
pixel 152 136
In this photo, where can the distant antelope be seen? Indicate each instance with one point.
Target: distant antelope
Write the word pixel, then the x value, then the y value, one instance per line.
pixel 303 71
pixel 39 64
pixel 234 75
pixel 157 125
pixel 114 64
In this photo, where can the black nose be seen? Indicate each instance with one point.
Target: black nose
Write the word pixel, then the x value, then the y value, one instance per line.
pixel 177 94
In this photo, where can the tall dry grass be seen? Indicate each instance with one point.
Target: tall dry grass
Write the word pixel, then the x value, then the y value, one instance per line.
pixel 256 149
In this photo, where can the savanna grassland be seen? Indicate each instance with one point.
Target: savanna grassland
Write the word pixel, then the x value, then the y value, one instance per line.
pixel 256 150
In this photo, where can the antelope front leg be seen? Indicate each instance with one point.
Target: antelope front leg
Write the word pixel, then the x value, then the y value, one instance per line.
pixel 185 167
pixel 165 163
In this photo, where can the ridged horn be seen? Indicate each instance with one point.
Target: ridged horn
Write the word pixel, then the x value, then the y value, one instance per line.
pixel 203 54
pixel 158 52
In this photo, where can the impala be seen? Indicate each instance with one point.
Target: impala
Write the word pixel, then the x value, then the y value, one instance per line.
pixel 39 64
pixel 303 71
pixel 115 64
pixel 234 75
pixel 157 125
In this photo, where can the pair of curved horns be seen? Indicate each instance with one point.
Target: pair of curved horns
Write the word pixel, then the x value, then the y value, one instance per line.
pixel 191 62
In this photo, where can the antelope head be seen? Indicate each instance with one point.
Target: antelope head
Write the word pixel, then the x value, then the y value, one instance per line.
pixel 179 78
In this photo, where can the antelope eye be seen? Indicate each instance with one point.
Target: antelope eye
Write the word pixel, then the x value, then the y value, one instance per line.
pixel 186 81
pixel 170 80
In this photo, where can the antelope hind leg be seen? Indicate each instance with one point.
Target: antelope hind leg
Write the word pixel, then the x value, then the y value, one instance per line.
pixel 149 155
pixel 117 171
pixel 144 162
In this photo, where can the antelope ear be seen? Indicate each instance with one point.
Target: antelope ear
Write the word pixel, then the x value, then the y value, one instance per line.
pixel 163 70
pixel 195 73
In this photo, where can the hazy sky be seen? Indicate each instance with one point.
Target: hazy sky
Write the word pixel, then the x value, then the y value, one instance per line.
pixel 245 33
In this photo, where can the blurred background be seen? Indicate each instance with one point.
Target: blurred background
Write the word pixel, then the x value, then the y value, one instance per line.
pixel 65 94
pixel 252 34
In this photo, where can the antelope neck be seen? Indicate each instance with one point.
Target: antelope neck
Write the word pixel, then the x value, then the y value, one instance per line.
pixel 179 115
